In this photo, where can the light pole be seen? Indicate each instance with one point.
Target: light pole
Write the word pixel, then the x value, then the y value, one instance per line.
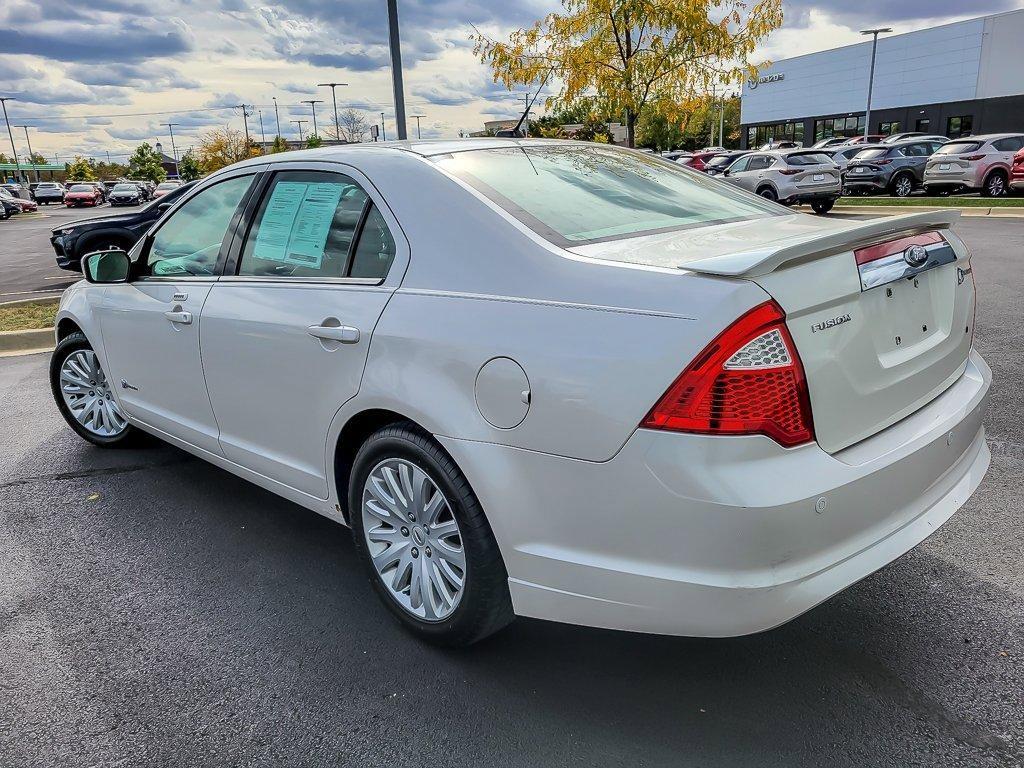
pixel 418 125
pixel 277 115
pixel 299 123
pixel 383 133
pixel 14 149
pixel 871 76
pixel 396 68
pixel 334 98
pixel 263 136
pixel 312 103
pixel 27 141
pixel 174 149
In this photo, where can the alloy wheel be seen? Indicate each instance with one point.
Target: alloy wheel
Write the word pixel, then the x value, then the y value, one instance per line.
pixel 87 395
pixel 413 539
pixel 996 186
pixel 904 186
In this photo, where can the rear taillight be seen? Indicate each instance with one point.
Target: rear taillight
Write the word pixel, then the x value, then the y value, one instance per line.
pixel 972 157
pixel 748 381
pixel 1018 160
pixel 790 172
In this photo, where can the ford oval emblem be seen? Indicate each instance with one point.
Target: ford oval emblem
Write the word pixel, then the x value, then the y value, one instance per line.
pixel 915 255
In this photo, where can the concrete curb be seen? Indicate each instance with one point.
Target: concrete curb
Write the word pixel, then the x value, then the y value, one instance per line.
pixel 25 342
pixel 967 212
pixel 40 300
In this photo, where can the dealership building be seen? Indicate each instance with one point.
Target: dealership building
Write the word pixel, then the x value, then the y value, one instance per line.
pixel 956 79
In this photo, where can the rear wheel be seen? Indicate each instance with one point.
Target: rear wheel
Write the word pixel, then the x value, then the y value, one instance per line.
pixel 423 538
pixel 901 186
pixel 821 207
pixel 84 396
pixel 995 185
pixel 768 193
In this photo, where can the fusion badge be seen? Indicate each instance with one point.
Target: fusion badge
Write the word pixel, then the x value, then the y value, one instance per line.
pixel 832 322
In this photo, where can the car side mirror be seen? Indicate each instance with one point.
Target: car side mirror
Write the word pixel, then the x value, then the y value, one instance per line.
pixel 163 206
pixel 106 267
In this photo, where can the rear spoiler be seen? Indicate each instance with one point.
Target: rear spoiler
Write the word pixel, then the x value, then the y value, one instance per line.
pixel 764 260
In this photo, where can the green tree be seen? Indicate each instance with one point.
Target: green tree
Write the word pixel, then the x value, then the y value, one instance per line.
pixel 188 167
pixel 4 158
pixel 145 163
pixel 80 169
pixel 279 145
pixel 314 141
pixel 627 55
pixel 656 131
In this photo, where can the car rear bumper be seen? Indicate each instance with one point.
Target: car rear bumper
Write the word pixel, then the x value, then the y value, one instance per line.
pixel 962 178
pixel 723 536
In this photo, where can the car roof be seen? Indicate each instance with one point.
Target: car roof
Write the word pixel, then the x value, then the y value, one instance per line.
pixel 989 137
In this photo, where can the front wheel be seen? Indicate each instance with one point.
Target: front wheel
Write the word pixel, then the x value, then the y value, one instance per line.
pixel 768 194
pixel 423 538
pixel 902 186
pixel 84 396
pixel 821 207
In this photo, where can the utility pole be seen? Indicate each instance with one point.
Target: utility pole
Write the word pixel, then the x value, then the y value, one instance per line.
pixel 334 98
pixel 418 125
pixel 174 149
pixel 27 141
pixel 14 149
pixel 871 75
pixel 263 136
pixel 312 103
pixel 278 116
pixel 396 68
pixel 721 122
pixel 299 123
pixel 245 121
pixel 383 133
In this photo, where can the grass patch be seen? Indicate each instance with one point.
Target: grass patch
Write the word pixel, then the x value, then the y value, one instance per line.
pixel 936 202
pixel 22 317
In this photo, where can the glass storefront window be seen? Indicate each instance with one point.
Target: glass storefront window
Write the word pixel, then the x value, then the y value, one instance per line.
pixel 959 126
pixel 923 125
pixel 762 134
pixel 889 129
pixel 838 126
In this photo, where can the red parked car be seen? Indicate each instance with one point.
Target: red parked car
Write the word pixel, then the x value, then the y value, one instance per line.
pixel 700 159
pixel 82 194
pixel 1017 172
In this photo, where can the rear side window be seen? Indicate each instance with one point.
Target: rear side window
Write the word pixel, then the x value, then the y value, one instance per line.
pixel 915 150
pixel 873 154
pixel 312 224
pixel 580 194
pixel 959 148
pixel 808 158
pixel 1011 144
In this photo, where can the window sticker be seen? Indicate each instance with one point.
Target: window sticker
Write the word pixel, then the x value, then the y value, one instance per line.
pixel 296 223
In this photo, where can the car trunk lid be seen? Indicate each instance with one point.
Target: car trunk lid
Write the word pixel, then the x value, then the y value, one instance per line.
pixel 879 336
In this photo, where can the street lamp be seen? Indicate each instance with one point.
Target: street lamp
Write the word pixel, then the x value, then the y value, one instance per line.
pixel 871 76
pixel 174 150
pixel 418 125
pixel 334 98
pixel 14 149
pixel 299 123
pixel 396 70
pixel 27 141
pixel 313 103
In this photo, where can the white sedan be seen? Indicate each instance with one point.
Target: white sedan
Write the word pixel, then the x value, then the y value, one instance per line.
pixel 548 379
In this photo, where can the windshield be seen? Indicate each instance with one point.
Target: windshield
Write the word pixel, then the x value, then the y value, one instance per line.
pixel 579 194
pixel 81 188
pixel 958 148
pixel 4 192
pixel 125 188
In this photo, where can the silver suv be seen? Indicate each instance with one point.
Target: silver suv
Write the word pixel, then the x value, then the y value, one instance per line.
pixel 974 163
pixel 789 177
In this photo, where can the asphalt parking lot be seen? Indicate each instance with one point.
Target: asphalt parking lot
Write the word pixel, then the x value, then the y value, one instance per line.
pixel 155 610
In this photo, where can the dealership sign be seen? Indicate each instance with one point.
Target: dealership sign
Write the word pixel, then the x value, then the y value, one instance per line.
pixel 756 81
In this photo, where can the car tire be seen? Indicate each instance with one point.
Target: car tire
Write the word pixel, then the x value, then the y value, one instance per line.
pixel 995 185
pixel 902 185
pixel 768 194
pixel 118 432
pixel 482 605
pixel 821 207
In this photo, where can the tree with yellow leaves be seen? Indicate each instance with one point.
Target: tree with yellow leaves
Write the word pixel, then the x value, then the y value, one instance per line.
pixel 220 147
pixel 629 55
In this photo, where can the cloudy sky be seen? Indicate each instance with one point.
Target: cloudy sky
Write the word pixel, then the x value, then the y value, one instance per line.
pixel 99 76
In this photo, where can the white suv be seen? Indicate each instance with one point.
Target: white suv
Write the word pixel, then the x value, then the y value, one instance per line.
pixel 977 163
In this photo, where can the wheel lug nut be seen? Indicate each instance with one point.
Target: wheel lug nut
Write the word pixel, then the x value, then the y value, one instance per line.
pixel 415 552
pixel 405 531
pixel 429 552
pixel 412 517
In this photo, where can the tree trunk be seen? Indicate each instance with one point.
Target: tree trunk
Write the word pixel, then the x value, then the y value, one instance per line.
pixel 630 129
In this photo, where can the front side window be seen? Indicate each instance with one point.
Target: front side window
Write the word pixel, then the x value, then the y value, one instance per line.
pixel 316 224
pixel 578 194
pixel 189 241
pixel 740 165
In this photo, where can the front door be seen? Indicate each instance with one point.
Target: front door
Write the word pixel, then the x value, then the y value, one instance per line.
pixel 285 339
pixel 150 326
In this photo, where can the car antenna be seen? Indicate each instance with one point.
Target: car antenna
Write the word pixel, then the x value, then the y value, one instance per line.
pixel 516 133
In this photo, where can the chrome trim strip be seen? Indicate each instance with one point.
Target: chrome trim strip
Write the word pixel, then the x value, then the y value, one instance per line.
pixel 285 280
pixel 891 268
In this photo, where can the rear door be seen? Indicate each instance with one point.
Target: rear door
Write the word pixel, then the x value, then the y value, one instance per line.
pixel 285 332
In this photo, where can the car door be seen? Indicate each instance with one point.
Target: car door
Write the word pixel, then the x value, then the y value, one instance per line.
pixel 755 172
pixel 150 326
pixel 734 172
pixel 285 336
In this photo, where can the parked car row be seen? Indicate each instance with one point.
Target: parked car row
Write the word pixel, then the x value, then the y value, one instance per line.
pixel 11 205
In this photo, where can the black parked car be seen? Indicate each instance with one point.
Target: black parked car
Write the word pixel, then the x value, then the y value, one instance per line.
pixel 8 208
pixel 894 168
pixel 126 193
pixel 72 241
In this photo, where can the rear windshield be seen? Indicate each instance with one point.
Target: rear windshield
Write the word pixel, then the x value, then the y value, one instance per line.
pixel 582 194
pixel 808 158
pixel 958 148
pixel 873 154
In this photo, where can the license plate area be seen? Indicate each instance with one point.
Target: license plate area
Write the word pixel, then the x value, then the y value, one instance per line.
pixel 912 315
pixel 943 166
pixel 818 177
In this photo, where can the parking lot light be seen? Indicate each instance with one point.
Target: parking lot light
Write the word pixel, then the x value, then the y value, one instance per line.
pixel 871 75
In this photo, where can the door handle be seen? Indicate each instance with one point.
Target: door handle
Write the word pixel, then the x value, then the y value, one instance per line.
pixel 346 334
pixel 183 318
